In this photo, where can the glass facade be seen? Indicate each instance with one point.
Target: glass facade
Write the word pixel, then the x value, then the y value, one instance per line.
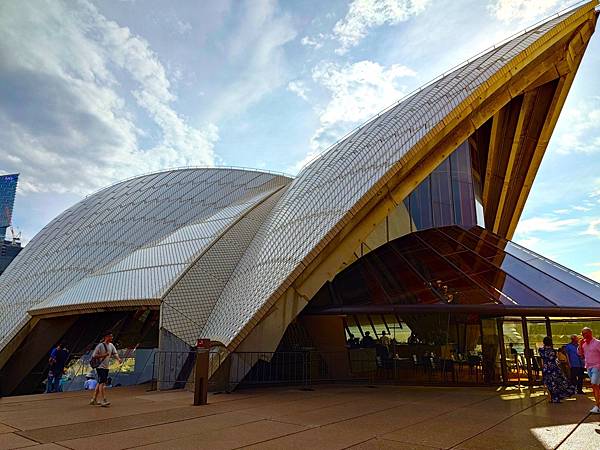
pixel 8 189
pixel 447 195
pixel 450 195
pixel 458 305
pixel 458 267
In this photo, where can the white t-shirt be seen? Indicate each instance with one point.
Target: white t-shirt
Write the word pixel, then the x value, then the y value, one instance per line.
pixel 105 349
pixel 90 384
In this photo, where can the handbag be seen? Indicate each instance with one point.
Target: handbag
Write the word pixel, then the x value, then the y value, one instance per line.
pixel 97 360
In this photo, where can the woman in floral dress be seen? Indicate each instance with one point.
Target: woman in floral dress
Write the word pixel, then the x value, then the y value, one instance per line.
pixel 554 379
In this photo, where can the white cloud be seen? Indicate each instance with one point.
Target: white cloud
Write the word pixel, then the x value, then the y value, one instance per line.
pixel 310 42
pixel 525 10
pixel 544 224
pixel 366 14
pixel 561 211
pixel 80 94
pixel 595 275
pixel 258 46
pixel 298 88
pixel 531 242
pixel 182 27
pixel 578 129
pixel 593 228
pixel 357 92
pixel 581 208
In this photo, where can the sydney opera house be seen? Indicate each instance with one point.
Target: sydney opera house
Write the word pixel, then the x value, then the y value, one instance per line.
pixel 399 231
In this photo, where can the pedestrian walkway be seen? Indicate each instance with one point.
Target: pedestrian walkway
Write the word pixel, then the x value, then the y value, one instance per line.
pixel 332 416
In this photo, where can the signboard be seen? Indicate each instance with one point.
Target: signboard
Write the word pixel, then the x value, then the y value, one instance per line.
pixel 203 343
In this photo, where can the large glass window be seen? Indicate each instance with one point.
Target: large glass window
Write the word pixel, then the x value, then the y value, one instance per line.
pixel 446 196
pixel 420 205
pixel 441 195
pixel 564 327
pixel 514 350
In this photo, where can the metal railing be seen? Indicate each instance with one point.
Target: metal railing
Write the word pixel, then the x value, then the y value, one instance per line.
pixel 175 370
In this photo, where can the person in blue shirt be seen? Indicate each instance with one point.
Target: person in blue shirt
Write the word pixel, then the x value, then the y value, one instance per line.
pixel 576 363
pixel 51 382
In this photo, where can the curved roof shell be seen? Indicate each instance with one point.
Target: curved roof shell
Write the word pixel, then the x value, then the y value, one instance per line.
pixel 127 244
pixel 218 248
pixel 330 191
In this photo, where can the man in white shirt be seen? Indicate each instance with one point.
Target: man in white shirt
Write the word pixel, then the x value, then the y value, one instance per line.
pixel 104 350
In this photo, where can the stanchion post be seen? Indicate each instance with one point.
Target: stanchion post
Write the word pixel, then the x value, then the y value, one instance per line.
pixel 201 372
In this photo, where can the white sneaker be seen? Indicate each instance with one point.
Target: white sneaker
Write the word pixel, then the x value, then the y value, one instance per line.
pixel 106 403
pixel 595 410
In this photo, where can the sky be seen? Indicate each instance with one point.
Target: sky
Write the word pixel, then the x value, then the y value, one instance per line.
pixel 92 92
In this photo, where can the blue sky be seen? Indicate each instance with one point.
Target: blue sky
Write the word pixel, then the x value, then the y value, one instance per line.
pixel 92 92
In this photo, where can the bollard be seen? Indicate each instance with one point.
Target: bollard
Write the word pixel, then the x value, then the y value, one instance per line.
pixel 201 372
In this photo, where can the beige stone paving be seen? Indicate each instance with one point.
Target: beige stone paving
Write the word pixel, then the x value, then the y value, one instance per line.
pixel 332 417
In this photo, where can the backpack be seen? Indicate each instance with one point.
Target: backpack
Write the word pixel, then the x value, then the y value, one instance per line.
pixel 97 360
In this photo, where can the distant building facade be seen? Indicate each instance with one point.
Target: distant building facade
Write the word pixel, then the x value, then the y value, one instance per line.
pixel 10 248
pixel 8 190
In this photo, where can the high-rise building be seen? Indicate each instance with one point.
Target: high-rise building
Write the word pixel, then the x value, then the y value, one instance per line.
pixel 9 247
pixel 403 227
pixel 8 190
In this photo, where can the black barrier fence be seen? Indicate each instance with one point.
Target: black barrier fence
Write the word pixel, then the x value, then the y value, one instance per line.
pixel 175 370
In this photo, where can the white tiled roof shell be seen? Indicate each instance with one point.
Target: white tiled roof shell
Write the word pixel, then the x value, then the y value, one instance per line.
pixel 128 241
pixel 328 189
pixel 186 308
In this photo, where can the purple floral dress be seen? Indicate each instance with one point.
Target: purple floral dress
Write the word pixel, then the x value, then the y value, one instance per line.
pixel 554 379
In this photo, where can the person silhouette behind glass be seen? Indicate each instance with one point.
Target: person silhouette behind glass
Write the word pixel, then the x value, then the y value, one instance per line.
pixel 367 341
pixel 352 342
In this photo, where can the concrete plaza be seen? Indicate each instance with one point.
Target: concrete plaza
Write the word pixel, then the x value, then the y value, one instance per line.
pixel 329 417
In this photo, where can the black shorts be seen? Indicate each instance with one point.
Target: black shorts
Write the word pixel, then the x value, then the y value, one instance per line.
pixel 102 375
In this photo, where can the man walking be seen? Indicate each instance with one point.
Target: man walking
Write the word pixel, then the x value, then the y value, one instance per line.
pixel 104 351
pixel 589 349
pixel 575 363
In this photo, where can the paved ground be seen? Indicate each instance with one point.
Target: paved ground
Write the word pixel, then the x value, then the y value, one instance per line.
pixel 359 417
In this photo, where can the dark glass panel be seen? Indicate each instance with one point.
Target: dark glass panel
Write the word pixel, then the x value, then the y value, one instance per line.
pixel 351 287
pixel 441 195
pixel 469 262
pixel 500 243
pixel 578 282
pixel 581 284
pixel 551 288
pixel 460 162
pixel 462 186
pixel 431 266
pixel 440 242
pixel 489 237
pixel 322 298
pixel 464 203
pixel 471 242
pixel 420 205
pixel 422 296
pixel 372 272
pixel 509 291
pixel 400 282
pixel 463 291
pixel 407 243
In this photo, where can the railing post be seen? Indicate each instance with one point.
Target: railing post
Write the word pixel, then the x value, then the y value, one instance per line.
pixel 201 372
